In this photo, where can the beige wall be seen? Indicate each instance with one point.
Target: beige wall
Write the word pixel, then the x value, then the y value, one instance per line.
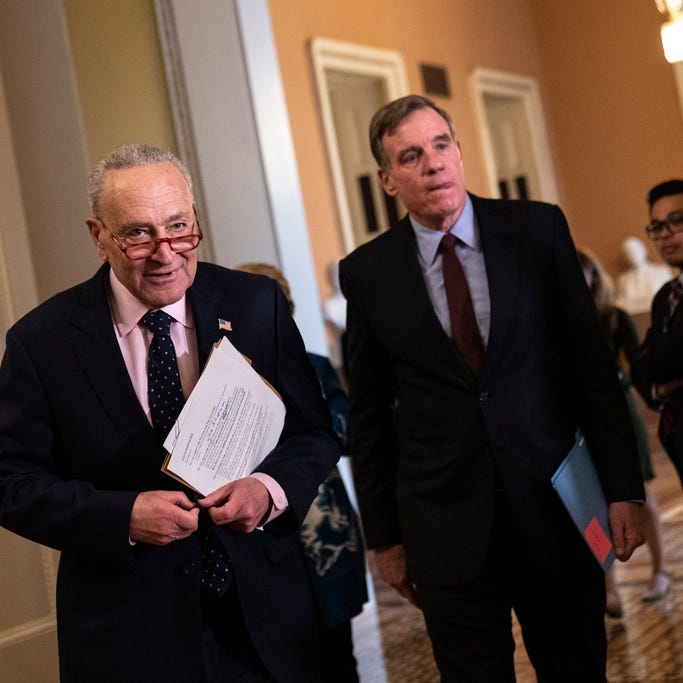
pixel 46 133
pixel 18 292
pixel 120 74
pixel 609 96
pixel 475 37
pixel 614 108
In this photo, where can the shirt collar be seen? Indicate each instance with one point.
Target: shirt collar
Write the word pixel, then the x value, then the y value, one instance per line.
pixel 465 229
pixel 127 310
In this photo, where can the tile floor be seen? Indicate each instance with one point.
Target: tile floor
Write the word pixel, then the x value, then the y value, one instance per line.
pixel 645 646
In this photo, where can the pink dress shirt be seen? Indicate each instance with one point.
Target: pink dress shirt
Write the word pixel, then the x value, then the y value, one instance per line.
pixel 134 340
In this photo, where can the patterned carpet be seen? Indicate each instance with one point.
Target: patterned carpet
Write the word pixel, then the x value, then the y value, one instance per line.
pixel 645 646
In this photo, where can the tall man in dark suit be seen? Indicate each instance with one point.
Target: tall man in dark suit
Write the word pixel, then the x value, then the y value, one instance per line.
pixel 80 460
pixel 658 370
pixel 453 443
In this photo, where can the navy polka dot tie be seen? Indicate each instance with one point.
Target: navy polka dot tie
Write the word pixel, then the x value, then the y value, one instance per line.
pixel 166 400
pixel 216 567
pixel 164 390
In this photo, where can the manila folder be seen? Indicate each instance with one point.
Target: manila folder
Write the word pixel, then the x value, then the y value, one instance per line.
pixel 230 422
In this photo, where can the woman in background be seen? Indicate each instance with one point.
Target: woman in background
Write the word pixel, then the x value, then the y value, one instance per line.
pixel 330 535
pixel 623 340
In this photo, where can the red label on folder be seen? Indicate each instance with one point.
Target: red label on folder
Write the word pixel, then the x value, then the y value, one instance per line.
pixel 597 540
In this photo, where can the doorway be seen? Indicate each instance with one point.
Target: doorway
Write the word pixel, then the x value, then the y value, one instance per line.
pixel 513 136
pixel 353 81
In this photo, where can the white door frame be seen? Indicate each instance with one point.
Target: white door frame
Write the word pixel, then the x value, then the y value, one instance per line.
pixel 386 65
pixel 232 125
pixel 525 89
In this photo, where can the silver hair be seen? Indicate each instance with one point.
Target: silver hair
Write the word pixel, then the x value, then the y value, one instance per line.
pixel 387 118
pixel 129 156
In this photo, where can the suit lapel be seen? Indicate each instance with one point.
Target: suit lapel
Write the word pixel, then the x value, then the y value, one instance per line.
pixel 500 244
pixel 668 316
pixel 400 263
pixel 95 346
pixel 208 306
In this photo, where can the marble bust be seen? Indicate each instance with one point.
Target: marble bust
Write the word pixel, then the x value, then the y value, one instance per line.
pixel 637 285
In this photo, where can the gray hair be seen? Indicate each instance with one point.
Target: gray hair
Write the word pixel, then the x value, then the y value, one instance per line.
pixel 129 156
pixel 388 117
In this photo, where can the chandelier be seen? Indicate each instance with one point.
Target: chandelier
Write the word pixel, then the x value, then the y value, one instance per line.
pixel 672 29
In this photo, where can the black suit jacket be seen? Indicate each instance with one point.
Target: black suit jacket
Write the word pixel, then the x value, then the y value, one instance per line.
pixel 76 449
pixel 660 360
pixel 428 440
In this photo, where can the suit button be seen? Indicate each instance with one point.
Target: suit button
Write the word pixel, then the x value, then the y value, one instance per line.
pixel 484 396
pixel 189 568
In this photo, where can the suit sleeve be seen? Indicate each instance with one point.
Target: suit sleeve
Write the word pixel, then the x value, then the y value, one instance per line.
pixel 598 396
pixel 373 446
pixel 36 500
pixel 659 359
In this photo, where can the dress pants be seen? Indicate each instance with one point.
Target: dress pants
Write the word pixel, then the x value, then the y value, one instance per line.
pixel 561 613
pixel 336 653
pixel 228 655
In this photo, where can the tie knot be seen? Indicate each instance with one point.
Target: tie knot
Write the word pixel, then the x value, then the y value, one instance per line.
pixel 447 242
pixel 159 322
pixel 677 287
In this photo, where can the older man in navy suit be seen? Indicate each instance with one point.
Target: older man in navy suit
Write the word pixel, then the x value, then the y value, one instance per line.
pixel 80 460
pixel 474 356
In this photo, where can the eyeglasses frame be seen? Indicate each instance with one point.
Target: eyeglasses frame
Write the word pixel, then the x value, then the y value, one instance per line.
pixel 655 228
pixel 156 243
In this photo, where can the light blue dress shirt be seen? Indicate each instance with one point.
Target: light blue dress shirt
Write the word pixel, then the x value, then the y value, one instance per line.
pixel 469 251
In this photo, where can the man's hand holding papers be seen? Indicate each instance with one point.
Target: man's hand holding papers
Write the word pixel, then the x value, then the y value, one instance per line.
pixel 241 505
pixel 231 421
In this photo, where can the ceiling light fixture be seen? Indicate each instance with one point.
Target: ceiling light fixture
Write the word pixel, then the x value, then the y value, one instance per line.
pixel 672 29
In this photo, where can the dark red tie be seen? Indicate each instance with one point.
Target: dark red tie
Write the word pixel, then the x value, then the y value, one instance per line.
pixel 464 329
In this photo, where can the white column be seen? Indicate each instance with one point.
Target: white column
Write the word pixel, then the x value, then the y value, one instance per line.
pixel 231 120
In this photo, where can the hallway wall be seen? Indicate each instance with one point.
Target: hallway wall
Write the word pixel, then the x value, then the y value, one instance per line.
pixel 120 73
pixel 613 104
pixel 456 34
pixel 609 96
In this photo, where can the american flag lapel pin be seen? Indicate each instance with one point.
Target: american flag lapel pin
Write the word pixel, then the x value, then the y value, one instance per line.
pixel 224 325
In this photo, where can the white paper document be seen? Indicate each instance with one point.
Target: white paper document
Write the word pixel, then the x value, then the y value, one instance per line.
pixel 232 419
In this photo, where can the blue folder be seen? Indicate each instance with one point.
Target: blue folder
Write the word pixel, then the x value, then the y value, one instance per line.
pixel 578 486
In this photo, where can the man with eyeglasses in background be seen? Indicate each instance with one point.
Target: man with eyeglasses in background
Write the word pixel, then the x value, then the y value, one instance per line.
pixel 81 450
pixel 657 371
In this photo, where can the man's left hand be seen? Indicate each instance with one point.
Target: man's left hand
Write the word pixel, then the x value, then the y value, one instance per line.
pixel 627 532
pixel 241 504
pixel 668 389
